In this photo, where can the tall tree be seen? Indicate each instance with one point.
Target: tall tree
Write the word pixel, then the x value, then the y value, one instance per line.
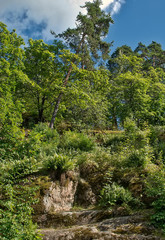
pixel 128 91
pixel 115 64
pixel 153 55
pixel 44 69
pixel 86 41
pixel 87 105
pixel 11 76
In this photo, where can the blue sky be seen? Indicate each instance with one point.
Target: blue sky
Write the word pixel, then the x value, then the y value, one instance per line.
pixel 139 21
pixel 135 20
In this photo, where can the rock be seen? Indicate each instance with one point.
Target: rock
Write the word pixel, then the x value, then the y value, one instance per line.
pixel 67 219
pixel 60 195
pixel 88 225
pixel 92 233
pixel 84 194
pixel 56 194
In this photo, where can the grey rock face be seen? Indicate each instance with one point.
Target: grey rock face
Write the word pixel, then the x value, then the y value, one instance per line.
pixel 89 225
pixel 60 195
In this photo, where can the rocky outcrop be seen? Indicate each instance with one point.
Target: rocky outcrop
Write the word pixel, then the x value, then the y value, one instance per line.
pixel 56 221
pixel 56 193
pixel 87 225
pixel 60 195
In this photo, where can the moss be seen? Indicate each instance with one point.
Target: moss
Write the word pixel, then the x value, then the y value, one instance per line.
pixel 57 220
pixel 85 234
pixel 43 183
pixel 133 229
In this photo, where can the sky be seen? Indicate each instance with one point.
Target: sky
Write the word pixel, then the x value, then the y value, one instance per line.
pixel 135 20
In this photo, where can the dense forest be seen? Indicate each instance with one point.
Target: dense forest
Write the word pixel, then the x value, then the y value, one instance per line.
pixel 71 104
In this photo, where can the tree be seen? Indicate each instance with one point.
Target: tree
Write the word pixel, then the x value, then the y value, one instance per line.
pixel 156 54
pixel 115 63
pixel 45 72
pixel 122 64
pixel 156 92
pixel 128 91
pixel 11 77
pixel 86 41
pixel 153 55
pixel 87 106
pixel 141 50
pixel 15 211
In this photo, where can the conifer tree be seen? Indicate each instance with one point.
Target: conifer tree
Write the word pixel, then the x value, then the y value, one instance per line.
pixel 86 41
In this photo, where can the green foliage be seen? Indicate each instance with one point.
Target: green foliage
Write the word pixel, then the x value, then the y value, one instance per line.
pixel 18 169
pixel 78 141
pixel 114 141
pixel 15 214
pixel 99 157
pixel 157 136
pixel 113 194
pixel 41 138
pixel 155 188
pixel 134 135
pixel 136 158
pixel 44 69
pixel 87 38
pixel 46 134
pixel 87 106
pixel 11 77
pixel 58 162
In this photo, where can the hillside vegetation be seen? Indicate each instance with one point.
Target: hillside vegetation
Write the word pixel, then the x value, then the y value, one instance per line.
pixel 71 106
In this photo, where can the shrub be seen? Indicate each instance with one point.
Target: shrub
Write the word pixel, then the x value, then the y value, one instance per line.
pixel 39 137
pixel 115 141
pixel 77 141
pixel 19 168
pixel 155 188
pixel 113 194
pixel 15 214
pixel 58 162
pixel 46 134
pixel 157 138
pixel 135 159
pixel 100 157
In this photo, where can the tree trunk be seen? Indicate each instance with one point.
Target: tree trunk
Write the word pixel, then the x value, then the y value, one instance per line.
pixel 154 61
pixel 41 109
pixel 114 120
pixel 59 99
pixel 64 85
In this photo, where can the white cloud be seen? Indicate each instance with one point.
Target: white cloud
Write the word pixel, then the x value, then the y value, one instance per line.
pixel 40 16
pixel 116 5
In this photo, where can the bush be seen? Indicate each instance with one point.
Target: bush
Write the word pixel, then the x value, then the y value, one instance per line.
pixel 78 141
pixel 157 138
pixel 58 162
pixel 44 133
pixel 115 142
pixel 15 214
pixel 100 157
pixel 39 137
pixel 155 188
pixel 19 168
pixel 113 194
pixel 135 159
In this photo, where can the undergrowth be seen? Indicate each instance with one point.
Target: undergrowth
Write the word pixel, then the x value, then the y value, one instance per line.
pixel 133 156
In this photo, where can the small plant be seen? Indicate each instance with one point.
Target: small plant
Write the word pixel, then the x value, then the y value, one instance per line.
pixel 77 141
pixel 20 168
pixel 46 133
pixel 113 194
pixel 15 214
pixel 135 159
pixel 58 162
pixel 114 141
pixel 155 188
